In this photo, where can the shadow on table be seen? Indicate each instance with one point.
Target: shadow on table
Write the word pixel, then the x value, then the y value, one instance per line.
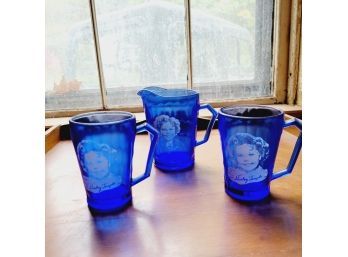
pixel 181 178
pixel 129 231
pixel 282 214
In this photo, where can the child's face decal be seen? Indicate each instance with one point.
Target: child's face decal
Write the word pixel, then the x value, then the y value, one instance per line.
pixel 96 164
pixel 247 157
pixel 167 131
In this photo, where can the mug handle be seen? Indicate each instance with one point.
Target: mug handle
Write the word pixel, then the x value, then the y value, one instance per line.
pixel 210 125
pixel 297 123
pixel 154 137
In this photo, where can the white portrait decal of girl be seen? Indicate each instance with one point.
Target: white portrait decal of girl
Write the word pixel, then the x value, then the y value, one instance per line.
pixel 247 153
pixel 169 128
pixel 95 160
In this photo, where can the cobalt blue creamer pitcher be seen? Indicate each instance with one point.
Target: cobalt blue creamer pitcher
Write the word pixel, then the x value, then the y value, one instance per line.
pixel 174 113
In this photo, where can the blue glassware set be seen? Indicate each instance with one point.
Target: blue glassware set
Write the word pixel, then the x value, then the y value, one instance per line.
pixel 250 136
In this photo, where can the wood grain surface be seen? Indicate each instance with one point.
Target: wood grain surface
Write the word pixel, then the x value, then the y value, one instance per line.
pixel 178 214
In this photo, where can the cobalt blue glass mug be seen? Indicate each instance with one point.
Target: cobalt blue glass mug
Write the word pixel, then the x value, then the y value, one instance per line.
pixel 104 143
pixel 250 136
pixel 174 113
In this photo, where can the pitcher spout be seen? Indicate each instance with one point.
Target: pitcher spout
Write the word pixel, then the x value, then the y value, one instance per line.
pixel 150 91
pixel 173 93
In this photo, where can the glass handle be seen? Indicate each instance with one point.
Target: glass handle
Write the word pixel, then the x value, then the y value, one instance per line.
pixel 154 137
pixel 211 122
pixel 297 123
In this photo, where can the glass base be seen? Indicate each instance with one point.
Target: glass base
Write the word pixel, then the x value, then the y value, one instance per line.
pixel 109 205
pixel 174 161
pixel 248 195
pixel 175 167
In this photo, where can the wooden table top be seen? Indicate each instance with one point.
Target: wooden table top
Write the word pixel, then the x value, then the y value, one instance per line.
pixel 179 214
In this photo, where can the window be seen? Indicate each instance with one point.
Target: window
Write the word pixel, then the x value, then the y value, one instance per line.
pixel 231 48
pixel 71 67
pixel 100 53
pixel 142 43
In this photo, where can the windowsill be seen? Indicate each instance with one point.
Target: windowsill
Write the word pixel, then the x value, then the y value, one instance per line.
pixel 56 128
pixel 293 110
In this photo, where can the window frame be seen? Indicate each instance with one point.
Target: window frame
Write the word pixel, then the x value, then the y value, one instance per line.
pixel 285 61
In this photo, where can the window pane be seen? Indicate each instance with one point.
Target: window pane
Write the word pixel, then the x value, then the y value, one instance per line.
pixel 71 69
pixel 142 43
pixel 231 48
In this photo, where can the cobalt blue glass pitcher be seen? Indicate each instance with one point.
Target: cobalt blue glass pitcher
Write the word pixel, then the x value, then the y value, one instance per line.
pixel 250 136
pixel 104 143
pixel 174 113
